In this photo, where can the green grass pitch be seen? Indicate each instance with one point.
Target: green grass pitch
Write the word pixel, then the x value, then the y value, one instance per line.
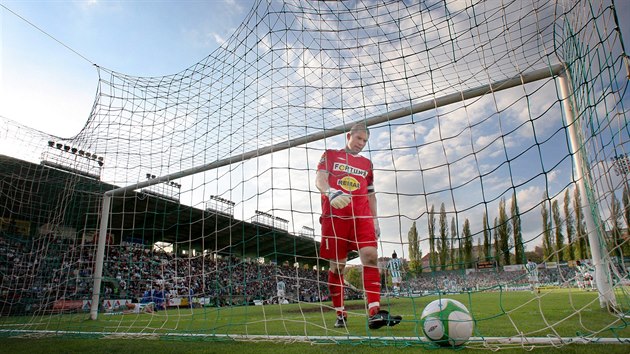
pixel 567 313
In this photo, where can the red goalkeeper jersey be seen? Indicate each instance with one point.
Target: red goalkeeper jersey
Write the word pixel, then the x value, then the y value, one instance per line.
pixel 349 173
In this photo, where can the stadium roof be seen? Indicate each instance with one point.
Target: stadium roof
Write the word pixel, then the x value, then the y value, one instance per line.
pixel 38 194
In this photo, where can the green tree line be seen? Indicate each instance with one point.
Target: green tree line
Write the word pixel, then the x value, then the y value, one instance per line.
pixel 564 235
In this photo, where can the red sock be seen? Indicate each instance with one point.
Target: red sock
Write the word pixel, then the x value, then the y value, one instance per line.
pixel 335 286
pixel 372 286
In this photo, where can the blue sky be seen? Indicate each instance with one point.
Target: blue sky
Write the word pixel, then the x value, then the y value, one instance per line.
pixel 42 83
pixel 47 86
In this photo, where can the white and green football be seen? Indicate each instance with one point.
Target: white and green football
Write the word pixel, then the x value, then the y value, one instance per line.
pixel 447 322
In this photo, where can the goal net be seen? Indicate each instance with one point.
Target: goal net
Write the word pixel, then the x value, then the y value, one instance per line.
pixel 187 208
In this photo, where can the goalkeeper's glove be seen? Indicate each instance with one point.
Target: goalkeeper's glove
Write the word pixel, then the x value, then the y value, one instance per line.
pixel 338 199
pixel 377 228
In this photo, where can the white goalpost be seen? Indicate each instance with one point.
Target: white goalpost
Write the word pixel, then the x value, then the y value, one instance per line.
pixel 603 278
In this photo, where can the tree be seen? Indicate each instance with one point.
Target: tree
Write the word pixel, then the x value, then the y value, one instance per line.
pixel 415 252
pixel 443 245
pixel 546 224
pixel 625 198
pixel 455 256
pixel 497 246
pixel 580 226
pixel 568 227
pixel 487 241
pixel 433 253
pixel 519 248
pixel 479 249
pixel 354 276
pixel 615 231
pixel 557 220
pixel 626 212
pixel 536 255
pixel 468 244
pixel 503 230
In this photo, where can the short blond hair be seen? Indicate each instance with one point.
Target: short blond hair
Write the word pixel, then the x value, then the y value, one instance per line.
pixel 359 127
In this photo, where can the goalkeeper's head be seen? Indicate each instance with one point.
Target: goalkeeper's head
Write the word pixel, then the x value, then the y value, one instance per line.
pixel 357 138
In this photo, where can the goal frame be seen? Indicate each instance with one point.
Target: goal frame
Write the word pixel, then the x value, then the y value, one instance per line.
pixel 559 71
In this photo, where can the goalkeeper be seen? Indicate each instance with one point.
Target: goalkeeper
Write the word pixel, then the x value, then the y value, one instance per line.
pixel 349 222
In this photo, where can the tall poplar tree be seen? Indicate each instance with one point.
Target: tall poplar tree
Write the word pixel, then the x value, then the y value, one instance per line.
pixel 546 225
pixel 455 253
pixel 468 245
pixel 615 231
pixel 415 251
pixel 569 227
pixel 487 240
pixel 519 248
pixel 479 249
pixel 443 244
pixel 504 232
pixel 497 246
pixel 557 220
pixel 625 199
pixel 433 253
pixel 580 226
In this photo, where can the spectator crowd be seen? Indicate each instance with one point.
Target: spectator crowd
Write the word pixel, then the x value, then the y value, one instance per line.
pixel 52 270
pixel 34 275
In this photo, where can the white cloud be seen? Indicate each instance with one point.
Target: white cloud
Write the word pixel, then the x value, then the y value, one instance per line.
pixel 218 38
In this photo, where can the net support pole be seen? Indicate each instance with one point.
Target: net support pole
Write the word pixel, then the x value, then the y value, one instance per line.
pixel 602 271
pixel 100 257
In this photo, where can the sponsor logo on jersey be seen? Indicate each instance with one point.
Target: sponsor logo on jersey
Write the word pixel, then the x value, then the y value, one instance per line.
pixel 342 167
pixel 349 183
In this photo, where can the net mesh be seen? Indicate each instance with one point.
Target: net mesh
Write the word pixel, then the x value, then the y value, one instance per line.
pixel 467 191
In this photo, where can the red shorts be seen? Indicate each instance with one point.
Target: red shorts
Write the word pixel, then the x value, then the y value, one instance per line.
pixel 340 236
